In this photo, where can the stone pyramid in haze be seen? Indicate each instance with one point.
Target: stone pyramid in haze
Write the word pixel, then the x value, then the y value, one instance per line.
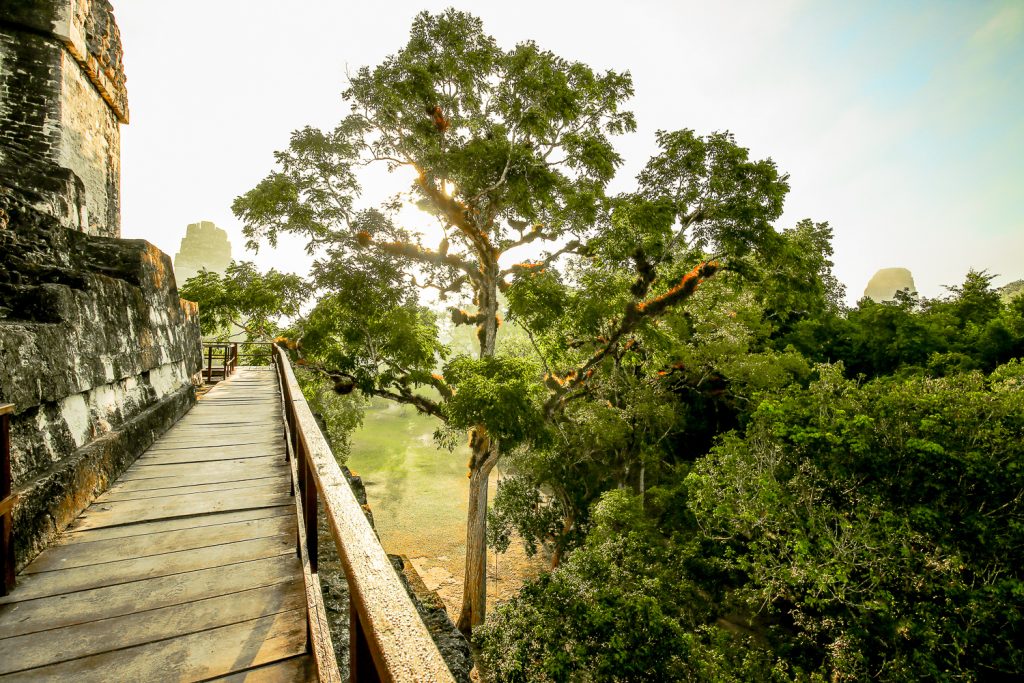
pixel 885 283
pixel 1012 290
pixel 204 247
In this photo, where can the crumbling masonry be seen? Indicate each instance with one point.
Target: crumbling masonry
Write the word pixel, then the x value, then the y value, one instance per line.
pixel 97 351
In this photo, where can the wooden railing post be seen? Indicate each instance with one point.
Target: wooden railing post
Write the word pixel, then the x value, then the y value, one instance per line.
pixel 309 512
pixel 209 364
pixel 7 502
pixel 360 660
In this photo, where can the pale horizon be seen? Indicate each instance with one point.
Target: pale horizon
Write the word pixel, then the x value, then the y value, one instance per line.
pixel 898 125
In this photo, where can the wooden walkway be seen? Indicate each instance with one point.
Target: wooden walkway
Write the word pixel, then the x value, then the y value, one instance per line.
pixel 185 569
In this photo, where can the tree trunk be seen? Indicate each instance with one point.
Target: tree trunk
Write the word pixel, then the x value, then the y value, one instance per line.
pixel 474 592
pixel 485 457
pixel 556 556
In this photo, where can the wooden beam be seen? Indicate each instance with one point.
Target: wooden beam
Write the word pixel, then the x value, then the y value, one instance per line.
pixel 7 502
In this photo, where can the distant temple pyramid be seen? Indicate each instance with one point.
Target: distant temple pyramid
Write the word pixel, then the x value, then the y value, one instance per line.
pixel 204 247
pixel 886 282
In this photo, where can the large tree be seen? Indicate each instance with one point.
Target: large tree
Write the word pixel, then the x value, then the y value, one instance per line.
pixel 507 148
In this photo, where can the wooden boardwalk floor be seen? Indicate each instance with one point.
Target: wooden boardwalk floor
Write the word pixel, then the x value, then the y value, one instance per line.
pixel 184 570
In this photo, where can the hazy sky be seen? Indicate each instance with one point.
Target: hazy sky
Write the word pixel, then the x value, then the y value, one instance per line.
pixel 900 123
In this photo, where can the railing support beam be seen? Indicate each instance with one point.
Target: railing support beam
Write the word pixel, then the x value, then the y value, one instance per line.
pixel 310 514
pixel 7 502
pixel 360 660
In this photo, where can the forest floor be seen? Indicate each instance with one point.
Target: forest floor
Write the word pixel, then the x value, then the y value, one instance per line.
pixel 419 496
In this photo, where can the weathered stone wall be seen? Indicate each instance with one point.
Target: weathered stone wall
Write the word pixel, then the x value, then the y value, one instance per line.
pixel 96 353
pixel 62 98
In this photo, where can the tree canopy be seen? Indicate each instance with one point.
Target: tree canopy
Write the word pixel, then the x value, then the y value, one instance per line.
pixel 506 148
pixel 737 477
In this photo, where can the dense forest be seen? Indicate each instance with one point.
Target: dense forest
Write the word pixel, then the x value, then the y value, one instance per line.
pixel 735 476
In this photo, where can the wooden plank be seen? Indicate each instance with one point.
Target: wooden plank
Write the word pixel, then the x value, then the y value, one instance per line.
pixel 45 584
pixel 216 482
pixel 255 394
pixel 158 478
pixel 31 616
pixel 242 410
pixel 251 467
pixel 215 441
pixel 231 414
pixel 73 535
pixel 401 644
pixel 201 437
pixel 195 467
pixel 132 512
pixel 81 640
pixel 295 669
pixel 213 455
pixel 171 457
pixel 135 511
pixel 246 412
pixel 229 408
pixel 266 486
pixel 197 656
pixel 281 484
pixel 116 549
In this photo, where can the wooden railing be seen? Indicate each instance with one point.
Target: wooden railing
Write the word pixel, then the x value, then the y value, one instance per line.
pixel 7 502
pixel 227 357
pixel 387 639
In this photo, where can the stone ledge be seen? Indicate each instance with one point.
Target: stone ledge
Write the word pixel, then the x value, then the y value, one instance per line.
pixel 55 498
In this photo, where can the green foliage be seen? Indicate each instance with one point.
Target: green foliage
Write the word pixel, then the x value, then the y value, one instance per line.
pixel 877 527
pixel 243 296
pixel 851 532
pixel 736 199
pixel 521 507
pixel 722 516
pixel 384 347
pixel 339 416
pixel 971 328
pixel 660 402
pixel 619 609
pixel 500 392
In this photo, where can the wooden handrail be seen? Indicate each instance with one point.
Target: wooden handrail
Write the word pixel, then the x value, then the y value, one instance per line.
pixel 228 357
pixel 388 640
pixel 7 502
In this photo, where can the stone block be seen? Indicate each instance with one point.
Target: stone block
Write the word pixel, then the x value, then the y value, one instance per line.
pixel 97 353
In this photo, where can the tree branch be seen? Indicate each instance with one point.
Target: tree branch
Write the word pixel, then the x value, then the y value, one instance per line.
pixel 569 248
pixel 459 215
pixel 421 403
pixel 418 253
pixel 635 314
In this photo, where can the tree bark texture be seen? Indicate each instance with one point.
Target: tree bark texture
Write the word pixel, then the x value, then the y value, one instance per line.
pixel 485 457
pixel 474 595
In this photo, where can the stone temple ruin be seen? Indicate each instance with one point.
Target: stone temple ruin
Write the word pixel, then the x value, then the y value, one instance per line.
pixel 63 100
pixel 97 352
pixel 204 247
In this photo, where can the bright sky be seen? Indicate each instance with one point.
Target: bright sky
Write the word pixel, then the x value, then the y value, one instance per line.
pixel 900 123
